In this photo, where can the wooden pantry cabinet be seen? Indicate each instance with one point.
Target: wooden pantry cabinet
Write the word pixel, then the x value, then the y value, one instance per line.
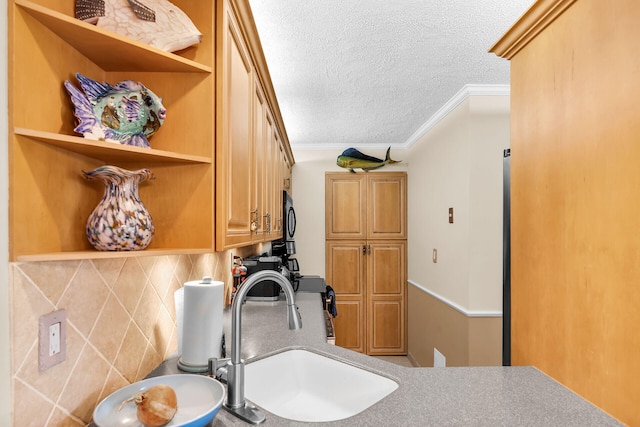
pixel 190 154
pixel 253 160
pixel 366 259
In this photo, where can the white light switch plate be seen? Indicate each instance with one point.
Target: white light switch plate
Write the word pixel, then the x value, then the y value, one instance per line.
pixel 52 336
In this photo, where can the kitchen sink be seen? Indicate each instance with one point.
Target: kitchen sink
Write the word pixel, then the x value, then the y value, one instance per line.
pixel 302 385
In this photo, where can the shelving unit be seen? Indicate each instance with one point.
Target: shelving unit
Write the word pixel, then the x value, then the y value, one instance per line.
pixel 49 199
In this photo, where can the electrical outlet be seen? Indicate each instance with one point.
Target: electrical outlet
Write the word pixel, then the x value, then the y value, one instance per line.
pixel 52 337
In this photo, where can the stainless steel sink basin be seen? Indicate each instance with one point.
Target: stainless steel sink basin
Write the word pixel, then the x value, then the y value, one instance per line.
pixel 303 385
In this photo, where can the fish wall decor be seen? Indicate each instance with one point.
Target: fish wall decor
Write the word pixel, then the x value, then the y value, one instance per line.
pixel 158 23
pixel 351 159
pixel 127 113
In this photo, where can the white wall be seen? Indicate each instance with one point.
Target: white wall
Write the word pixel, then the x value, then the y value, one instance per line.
pixel 5 367
pixel 458 164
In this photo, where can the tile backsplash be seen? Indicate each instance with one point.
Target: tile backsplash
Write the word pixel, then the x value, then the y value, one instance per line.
pixel 120 325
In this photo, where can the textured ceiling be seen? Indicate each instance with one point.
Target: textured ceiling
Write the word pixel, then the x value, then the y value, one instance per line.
pixel 371 73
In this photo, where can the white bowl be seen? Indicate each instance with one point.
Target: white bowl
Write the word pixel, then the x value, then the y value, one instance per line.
pixel 199 400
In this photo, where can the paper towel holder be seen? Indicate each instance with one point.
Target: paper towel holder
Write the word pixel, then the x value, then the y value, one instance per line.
pixel 193 363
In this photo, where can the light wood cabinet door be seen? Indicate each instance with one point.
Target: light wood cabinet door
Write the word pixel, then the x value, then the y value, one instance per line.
pixel 371 274
pixel 267 216
pixel 386 294
pixel 234 148
pixel 345 206
pixel 259 184
pixel 386 325
pixel 345 268
pixel 387 206
pixel 346 275
pixel 349 325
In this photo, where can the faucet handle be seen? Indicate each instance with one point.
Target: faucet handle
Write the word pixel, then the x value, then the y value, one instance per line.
pixel 217 368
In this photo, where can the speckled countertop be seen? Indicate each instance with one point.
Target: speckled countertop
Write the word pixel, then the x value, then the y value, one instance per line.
pixel 484 396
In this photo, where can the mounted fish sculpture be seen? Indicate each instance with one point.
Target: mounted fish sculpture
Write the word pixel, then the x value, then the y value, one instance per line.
pixel 351 158
pixel 127 113
pixel 158 23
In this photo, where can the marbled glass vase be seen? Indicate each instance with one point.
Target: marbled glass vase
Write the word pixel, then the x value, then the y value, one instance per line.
pixel 120 222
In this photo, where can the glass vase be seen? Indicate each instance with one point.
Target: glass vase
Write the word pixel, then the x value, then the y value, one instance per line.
pixel 120 222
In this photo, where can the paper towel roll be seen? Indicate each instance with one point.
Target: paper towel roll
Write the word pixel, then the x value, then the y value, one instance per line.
pixel 202 324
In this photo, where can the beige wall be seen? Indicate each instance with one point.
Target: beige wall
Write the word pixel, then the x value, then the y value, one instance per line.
pixel 575 208
pixel 458 164
pixel 120 325
pixel 463 339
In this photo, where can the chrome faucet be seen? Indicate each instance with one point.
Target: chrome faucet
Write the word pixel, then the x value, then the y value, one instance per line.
pixel 236 403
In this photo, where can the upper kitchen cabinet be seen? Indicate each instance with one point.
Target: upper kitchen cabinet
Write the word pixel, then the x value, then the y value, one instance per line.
pixel 252 149
pixel 50 199
pixel 235 133
pixel 366 205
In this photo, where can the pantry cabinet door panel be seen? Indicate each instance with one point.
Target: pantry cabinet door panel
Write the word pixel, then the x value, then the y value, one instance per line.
pixel 349 324
pixel 387 213
pixel 345 267
pixel 387 330
pixel 345 204
pixel 386 270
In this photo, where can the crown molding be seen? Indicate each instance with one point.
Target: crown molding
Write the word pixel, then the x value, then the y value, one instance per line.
pixel 531 23
pixel 455 101
pixel 464 93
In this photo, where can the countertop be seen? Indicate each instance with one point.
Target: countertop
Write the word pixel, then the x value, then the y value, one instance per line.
pixel 477 396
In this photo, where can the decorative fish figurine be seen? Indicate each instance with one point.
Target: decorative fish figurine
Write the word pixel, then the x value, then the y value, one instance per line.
pixel 352 158
pixel 127 113
pixel 158 23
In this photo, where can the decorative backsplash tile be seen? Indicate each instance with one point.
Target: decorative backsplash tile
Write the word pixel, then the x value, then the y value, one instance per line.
pixel 120 325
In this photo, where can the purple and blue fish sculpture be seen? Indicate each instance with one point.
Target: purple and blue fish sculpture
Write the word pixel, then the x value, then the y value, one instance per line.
pixel 127 113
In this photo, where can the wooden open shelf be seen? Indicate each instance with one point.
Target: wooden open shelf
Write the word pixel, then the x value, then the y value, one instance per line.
pixel 49 198
pixel 110 51
pixel 108 151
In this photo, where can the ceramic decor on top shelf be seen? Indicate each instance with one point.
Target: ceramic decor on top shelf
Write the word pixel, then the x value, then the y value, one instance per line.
pixel 158 23
pixel 127 113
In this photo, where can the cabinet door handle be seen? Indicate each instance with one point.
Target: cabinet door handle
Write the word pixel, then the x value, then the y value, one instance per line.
pixel 254 220
pixel 364 249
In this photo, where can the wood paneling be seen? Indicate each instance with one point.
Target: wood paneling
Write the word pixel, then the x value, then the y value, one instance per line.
pixel 575 207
